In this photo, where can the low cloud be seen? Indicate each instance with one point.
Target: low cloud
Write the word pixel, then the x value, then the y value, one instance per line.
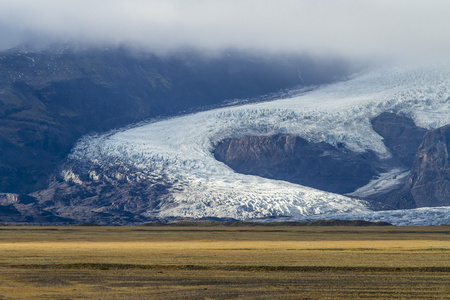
pixel 352 28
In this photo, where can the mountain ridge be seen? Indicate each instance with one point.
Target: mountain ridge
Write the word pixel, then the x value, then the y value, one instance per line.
pixel 178 153
pixel 165 168
pixel 49 99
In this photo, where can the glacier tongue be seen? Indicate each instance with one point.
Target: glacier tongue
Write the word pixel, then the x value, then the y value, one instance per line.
pixel 386 181
pixel 181 147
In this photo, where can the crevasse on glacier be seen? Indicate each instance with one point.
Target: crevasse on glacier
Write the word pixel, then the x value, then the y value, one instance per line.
pixel 180 148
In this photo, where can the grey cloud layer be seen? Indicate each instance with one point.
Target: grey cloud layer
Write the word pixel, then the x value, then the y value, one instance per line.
pixel 350 27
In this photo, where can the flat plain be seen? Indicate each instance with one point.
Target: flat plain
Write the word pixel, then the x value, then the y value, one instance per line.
pixel 224 262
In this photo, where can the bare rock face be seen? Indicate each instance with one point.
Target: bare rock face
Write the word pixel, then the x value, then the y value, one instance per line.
pixel 403 138
pixel 293 159
pixel 400 135
pixel 429 180
pixel 335 169
pixel 102 195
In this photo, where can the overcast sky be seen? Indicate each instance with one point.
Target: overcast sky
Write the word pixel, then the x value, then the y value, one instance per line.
pixel 353 28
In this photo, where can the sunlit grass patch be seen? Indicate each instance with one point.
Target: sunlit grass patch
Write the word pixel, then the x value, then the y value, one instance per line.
pixel 262 262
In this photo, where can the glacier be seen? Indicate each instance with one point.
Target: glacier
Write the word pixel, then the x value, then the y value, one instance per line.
pixel 180 149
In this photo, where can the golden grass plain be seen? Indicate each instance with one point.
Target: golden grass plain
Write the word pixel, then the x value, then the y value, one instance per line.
pixel 220 262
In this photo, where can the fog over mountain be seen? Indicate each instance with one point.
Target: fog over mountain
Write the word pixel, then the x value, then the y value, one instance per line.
pixel 415 29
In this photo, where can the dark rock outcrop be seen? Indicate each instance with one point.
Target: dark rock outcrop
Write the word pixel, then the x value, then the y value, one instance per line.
pixel 102 195
pixel 293 159
pixel 24 209
pixel 429 180
pixel 428 184
pixel 322 166
pixel 401 136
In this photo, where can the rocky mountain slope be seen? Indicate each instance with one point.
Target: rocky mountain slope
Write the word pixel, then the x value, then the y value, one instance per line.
pixel 337 169
pixel 343 150
pixel 49 99
pixel 400 135
pixel 167 169
pixel 294 159
pixel 429 180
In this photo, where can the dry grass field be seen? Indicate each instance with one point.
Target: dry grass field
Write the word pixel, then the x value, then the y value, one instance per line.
pixel 217 262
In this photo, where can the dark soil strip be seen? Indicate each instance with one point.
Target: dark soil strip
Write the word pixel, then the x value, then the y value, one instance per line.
pixel 93 266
